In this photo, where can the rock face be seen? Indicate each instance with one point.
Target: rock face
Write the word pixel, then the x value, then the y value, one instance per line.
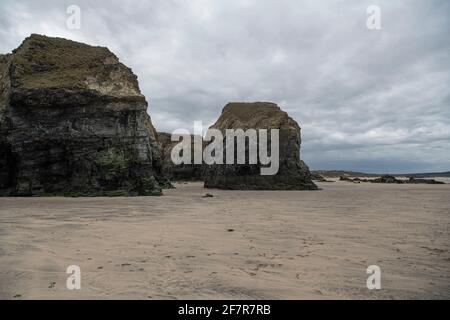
pixel 293 173
pixel 73 122
pixel 181 172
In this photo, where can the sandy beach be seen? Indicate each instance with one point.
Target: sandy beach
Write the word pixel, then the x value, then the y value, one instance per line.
pixel 235 245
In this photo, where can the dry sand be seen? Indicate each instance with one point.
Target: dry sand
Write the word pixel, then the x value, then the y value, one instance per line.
pixel 238 244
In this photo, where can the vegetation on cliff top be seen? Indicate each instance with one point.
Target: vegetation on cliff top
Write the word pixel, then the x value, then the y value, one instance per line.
pixel 48 62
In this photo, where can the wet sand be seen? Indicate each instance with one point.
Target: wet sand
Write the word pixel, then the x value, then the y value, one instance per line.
pixel 235 245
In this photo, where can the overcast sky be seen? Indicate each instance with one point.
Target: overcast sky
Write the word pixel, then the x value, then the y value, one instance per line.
pixel 367 100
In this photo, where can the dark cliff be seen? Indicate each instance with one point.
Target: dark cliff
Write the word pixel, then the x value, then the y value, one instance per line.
pixel 73 122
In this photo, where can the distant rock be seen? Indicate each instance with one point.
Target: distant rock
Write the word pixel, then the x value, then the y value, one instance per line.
pixel 339 173
pixel 318 177
pixel 383 179
pixel 391 179
pixel 73 122
pixel 344 178
pixel 387 179
pixel 342 173
pixel 293 173
pixel 424 181
pixel 181 172
pixel 428 175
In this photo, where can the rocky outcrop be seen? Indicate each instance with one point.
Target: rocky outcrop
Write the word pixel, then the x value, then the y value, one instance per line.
pixel 293 173
pixel 387 179
pixel 181 172
pixel 355 180
pixel 391 179
pixel 423 181
pixel 73 122
pixel 318 177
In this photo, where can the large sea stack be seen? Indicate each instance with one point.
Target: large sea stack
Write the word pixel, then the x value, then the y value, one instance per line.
pixel 293 173
pixel 73 122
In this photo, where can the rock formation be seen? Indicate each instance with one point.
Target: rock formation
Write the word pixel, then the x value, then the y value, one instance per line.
pixel 424 181
pixel 318 177
pixel 73 122
pixel 181 172
pixel 387 179
pixel 293 173
pixel 391 179
pixel 412 180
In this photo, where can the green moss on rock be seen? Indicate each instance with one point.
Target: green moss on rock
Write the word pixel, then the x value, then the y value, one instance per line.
pixel 113 160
